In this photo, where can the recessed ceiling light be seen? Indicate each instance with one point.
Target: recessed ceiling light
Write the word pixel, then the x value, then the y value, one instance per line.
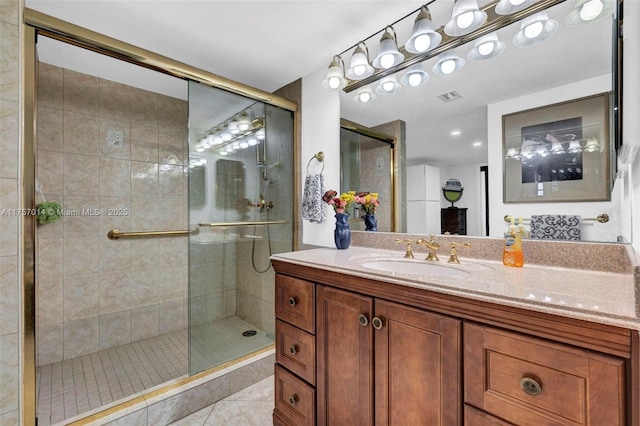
pixel 455 132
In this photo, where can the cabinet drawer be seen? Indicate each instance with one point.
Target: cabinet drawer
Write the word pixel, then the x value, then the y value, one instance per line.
pixel 529 381
pixel 295 302
pixel 296 350
pixel 473 417
pixel 294 399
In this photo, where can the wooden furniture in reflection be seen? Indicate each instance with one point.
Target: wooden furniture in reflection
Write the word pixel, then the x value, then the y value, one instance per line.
pixel 453 220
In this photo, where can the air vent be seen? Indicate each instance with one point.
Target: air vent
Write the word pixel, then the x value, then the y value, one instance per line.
pixel 449 96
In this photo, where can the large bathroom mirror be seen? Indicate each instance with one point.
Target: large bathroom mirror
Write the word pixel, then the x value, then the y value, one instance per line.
pixel 454 121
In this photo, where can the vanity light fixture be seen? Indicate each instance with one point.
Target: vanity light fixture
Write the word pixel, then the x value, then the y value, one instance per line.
pixel 592 145
pixel 233 127
pixel 226 134
pixel 508 7
pixel 415 76
pixel 423 35
pixel 535 29
pixel 244 123
pixel 588 11
pixel 335 75
pixel 486 47
pixel 448 63
pixel 468 22
pixel 364 95
pixel 388 86
pixel 466 17
pixel 513 154
pixel 574 147
pixel 557 148
pixel 359 66
pixel 388 53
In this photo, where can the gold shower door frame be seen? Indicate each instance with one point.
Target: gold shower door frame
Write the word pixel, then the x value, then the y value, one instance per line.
pixel 36 23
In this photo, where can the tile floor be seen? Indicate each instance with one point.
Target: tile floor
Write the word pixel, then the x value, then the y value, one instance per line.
pixel 252 406
pixel 72 387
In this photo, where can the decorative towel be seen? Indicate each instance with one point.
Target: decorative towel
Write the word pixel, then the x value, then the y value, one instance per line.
pixel 555 227
pixel 313 208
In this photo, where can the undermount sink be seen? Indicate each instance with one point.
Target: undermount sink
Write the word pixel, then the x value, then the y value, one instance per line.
pixel 414 268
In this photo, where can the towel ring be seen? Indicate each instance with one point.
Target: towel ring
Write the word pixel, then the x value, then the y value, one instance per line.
pixel 318 157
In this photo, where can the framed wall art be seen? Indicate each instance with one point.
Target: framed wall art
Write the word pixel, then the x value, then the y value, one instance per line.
pixel 559 152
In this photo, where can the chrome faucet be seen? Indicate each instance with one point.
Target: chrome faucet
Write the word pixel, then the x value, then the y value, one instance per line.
pixel 431 245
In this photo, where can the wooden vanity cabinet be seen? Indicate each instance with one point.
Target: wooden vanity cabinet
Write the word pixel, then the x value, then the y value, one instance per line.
pixel 402 362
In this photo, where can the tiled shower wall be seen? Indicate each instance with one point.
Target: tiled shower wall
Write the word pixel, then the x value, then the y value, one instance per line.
pixel 10 20
pixel 94 293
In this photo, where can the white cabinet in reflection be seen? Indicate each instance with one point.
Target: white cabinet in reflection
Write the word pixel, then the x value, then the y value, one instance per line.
pixel 423 199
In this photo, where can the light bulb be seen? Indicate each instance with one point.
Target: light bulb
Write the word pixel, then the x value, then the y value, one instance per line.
pixel 226 136
pixel 591 9
pixel 464 20
pixel 448 66
pixel 334 82
pixel 244 145
pixel 516 2
pixel 229 148
pixel 365 97
pixel 387 86
pixel 533 30
pixel 359 69
pixel 199 149
pixel 486 48
pixel 217 140
pixel 415 79
pixel 422 42
pixel 233 127
pixel 260 134
pixel 386 60
pixel 252 141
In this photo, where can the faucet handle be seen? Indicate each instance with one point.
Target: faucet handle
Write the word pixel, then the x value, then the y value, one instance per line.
pixel 454 251
pixel 409 253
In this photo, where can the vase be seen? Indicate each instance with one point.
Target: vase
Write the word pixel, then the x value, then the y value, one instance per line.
pixel 370 222
pixel 342 233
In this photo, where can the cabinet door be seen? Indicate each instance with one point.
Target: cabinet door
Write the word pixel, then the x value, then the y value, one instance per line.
pixel 345 358
pixel 417 367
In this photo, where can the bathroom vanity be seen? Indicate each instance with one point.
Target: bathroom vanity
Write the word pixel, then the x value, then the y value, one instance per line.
pixel 360 342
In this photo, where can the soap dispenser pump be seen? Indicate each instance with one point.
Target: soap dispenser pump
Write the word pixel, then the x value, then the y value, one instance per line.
pixel 511 256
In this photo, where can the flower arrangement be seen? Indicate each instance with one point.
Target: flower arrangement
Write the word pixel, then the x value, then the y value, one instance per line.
pixel 368 201
pixel 341 204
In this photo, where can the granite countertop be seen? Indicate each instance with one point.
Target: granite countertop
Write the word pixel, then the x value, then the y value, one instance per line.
pixel 602 297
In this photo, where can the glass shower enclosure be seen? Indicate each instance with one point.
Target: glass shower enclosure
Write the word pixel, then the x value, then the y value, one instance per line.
pixel 240 212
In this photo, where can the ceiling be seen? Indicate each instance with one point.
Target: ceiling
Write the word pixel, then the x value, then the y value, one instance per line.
pixel 268 44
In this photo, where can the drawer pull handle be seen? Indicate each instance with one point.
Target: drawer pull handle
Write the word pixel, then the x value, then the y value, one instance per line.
pixel 364 321
pixel 293 399
pixel 292 301
pixel 293 349
pixel 377 322
pixel 530 386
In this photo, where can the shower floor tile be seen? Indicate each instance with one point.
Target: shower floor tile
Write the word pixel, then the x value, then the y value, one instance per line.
pixel 72 387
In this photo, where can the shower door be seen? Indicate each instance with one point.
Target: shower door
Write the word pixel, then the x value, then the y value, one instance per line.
pixel 240 212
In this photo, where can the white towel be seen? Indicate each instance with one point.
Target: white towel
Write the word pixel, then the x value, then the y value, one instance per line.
pixel 313 208
pixel 555 227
